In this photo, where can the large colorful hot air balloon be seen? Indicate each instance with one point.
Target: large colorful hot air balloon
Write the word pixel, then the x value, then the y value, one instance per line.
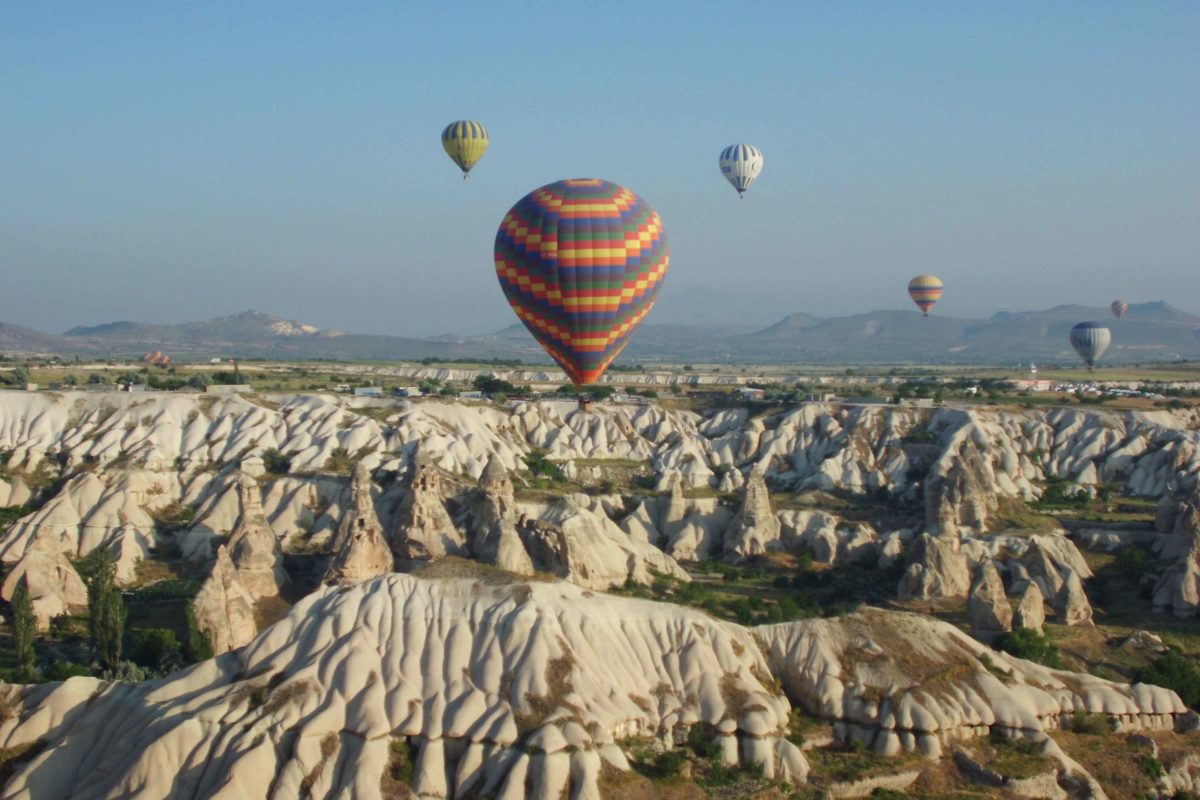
pixel 581 262
pixel 1120 308
pixel 465 142
pixel 925 290
pixel 741 164
pixel 1090 340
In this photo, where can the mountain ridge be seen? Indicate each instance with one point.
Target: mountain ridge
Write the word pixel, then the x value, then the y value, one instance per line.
pixel 1150 331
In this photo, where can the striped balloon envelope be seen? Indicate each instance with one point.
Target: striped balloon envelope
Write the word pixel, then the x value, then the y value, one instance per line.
pixel 741 164
pixel 581 262
pixel 1090 340
pixel 925 290
pixel 465 142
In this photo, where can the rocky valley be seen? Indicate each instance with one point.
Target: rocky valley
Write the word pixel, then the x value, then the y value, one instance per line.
pixel 369 598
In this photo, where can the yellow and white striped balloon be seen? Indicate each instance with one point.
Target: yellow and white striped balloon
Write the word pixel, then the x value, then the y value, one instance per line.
pixel 925 290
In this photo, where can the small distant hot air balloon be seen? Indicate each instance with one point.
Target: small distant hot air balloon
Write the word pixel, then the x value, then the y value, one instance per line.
pixel 1119 308
pixel 741 164
pixel 581 262
pixel 465 142
pixel 925 290
pixel 1090 340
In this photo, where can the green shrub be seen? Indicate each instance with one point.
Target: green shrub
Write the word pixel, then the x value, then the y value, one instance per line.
pixel 1090 724
pixel 61 670
pixel 1151 767
pixel 1029 644
pixel 541 467
pixel 152 647
pixel 24 626
pixel 276 462
pixel 198 646
pixel 1177 672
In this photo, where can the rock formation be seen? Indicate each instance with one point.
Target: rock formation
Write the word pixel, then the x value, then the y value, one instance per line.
pixel 1031 609
pixel 988 611
pixel 424 529
pixel 960 491
pixel 223 608
pixel 936 569
pixel 574 539
pixel 253 548
pixel 495 539
pixel 54 585
pixel 880 677
pixel 1071 607
pixel 167 438
pixel 506 691
pixel 361 551
pixel 1041 569
pixel 755 528
pixel 1178 588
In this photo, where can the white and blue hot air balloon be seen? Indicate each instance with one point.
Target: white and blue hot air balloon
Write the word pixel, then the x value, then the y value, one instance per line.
pixel 741 164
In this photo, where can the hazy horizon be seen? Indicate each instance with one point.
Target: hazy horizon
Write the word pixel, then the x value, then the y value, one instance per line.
pixel 180 163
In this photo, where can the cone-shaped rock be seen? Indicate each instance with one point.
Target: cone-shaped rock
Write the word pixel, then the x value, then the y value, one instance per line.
pixel 253 548
pixel 755 528
pixel 494 535
pixel 1031 609
pixel 424 529
pixel 1072 606
pixel 937 569
pixel 224 609
pixel 361 551
pixel 988 611
pixel 54 585
pixel 1178 589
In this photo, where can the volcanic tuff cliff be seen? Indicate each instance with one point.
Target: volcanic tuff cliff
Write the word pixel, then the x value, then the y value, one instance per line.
pixel 491 678
pixel 515 690
pixel 127 459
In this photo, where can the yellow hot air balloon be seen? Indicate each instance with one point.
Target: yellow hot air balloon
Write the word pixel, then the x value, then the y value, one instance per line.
pixel 925 290
pixel 465 142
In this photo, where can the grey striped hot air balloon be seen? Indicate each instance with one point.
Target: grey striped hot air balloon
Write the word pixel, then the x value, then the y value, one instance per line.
pixel 1119 308
pixel 1090 340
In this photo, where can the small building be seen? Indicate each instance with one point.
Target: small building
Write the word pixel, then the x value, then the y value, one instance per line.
pixel 750 393
pixel 29 387
pixel 820 397
pixel 342 387
pixel 227 388
pixel 408 391
pixel 470 395
pixel 368 391
pixel 136 388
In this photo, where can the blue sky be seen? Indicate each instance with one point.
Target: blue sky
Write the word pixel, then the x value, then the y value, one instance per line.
pixel 173 161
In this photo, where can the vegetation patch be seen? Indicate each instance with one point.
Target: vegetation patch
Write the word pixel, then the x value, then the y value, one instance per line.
pixel 397 778
pixel 853 762
pixel 1177 672
pixel 1033 646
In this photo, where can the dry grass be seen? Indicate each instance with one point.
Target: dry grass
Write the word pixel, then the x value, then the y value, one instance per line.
pixel 328 747
pixel 269 610
pixel 618 784
pixel 540 707
pixel 396 781
pixel 1111 760
pixel 1013 758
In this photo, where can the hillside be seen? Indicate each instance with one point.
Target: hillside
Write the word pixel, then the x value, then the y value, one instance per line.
pixel 1151 331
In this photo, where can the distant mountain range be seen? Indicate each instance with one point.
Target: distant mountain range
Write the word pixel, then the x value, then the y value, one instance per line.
pixel 1149 332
